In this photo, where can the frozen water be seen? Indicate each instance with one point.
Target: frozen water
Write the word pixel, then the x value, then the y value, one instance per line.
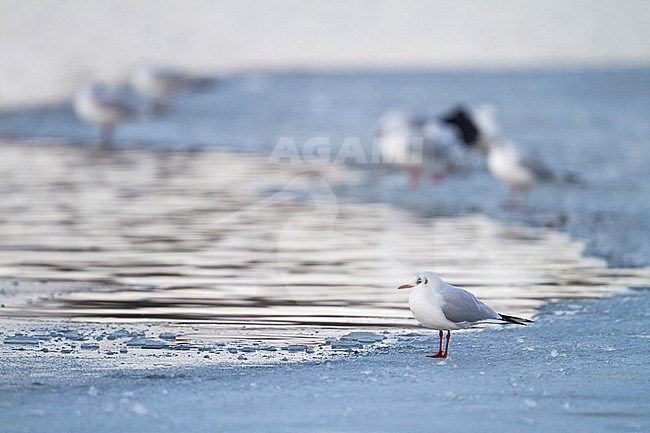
pixel 297 348
pixel 22 339
pixel 167 336
pixel 146 343
pixel 363 337
pixel 89 346
pixel 588 390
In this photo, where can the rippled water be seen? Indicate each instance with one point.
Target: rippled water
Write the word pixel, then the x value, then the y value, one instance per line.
pixel 229 240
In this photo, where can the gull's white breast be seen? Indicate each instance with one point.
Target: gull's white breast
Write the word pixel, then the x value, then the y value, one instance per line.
pixel 88 108
pixel 426 306
pixel 397 146
pixel 504 163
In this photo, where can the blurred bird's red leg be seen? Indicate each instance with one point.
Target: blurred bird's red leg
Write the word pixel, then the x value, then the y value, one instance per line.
pixel 524 193
pixel 107 136
pixel 512 199
pixel 440 354
pixel 439 176
pixel 414 177
pixel 518 197
pixel 515 198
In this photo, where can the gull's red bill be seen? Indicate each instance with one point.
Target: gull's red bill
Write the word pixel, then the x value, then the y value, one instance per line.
pixel 405 286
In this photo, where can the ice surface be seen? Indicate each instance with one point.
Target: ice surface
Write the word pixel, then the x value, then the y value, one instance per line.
pixel 22 339
pixel 297 348
pixel 167 336
pixel 363 337
pixel 89 346
pixel 487 378
pixel 146 343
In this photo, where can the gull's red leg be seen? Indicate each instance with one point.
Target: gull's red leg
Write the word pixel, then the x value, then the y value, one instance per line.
pixel 107 136
pixel 447 344
pixel 513 201
pixel 439 354
pixel 414 177
pixel 439 176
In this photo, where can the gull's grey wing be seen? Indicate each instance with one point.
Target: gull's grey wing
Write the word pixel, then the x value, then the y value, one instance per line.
pixel 172 77
pixel 122 100
pixel 544 171
pixel 169 74
pixel 439 141
pixel 537 165
pixel 462 306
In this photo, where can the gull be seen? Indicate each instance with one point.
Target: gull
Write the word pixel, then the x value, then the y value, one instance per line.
pixel 415 142
pixel 438 305
pixel 521 169
pixel 106 106
pixel 474 126
pixel 159 83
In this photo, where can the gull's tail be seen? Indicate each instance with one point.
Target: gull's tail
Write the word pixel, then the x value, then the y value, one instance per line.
pixel 515 320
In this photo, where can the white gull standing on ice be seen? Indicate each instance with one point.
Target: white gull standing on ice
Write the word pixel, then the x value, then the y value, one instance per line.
pixel 438 305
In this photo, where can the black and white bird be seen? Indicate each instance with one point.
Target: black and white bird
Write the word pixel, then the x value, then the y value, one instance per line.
pixel 438 305
pixel 475 126
pixel 439 144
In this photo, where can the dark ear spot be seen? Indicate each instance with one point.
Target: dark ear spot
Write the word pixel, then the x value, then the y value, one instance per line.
pixel 426 281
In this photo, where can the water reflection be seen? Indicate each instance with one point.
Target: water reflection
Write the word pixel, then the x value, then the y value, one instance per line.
pixel 229 240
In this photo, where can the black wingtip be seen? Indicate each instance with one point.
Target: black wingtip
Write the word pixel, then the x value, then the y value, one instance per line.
pixel 515 320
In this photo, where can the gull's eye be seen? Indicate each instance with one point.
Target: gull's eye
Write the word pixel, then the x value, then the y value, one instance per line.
pixel 418 281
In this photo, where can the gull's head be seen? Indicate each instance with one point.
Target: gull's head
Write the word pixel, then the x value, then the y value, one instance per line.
pixel 423 280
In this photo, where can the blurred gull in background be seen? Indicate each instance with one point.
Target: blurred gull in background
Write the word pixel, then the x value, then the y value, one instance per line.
pixel 160 83
pixel 443 143
pixel 474 126
pixel 418 143
pixel 106 105
pixel 522 169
